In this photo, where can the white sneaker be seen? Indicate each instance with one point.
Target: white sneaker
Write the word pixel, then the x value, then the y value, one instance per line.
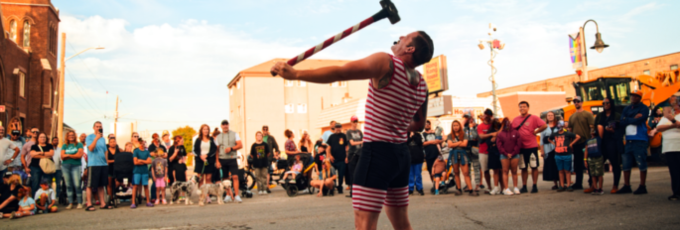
pixel 517 191
pixel 238 199
pixel 259 193
pixel 495 191
pixel 507 192
pixel 79 206
pixel 227 199
pixel 70 206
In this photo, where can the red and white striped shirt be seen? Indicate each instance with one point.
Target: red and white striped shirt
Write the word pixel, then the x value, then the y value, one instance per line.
pixel 389 110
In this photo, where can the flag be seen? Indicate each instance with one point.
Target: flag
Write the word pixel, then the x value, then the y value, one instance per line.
pixel 575 50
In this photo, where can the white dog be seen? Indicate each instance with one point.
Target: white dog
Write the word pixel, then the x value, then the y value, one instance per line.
pixel 217 190
pixel 188 187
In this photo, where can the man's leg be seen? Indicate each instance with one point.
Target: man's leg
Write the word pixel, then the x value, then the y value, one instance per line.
pixel 411 179
pixel 524 166
pixel 398 217
pixel 36 176
pixel 419 177
pixel 365 220
pixel 101 191
pixel 57 179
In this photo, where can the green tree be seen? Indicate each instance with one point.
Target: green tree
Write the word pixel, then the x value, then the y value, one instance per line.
pixel 187 134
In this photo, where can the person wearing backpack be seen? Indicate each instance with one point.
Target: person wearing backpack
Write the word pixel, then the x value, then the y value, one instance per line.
pixel 528 126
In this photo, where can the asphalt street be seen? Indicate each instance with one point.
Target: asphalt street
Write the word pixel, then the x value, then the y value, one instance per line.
pixel 545 210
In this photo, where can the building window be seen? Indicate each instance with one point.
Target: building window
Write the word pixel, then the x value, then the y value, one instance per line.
pixel 289 83
pixel 290 108
pixel 674 67
pixel 27 34
pixel 22 82
pixel 302 108
pixel 13 30
pixel 302 83
pixel 646 72
pixel 339 84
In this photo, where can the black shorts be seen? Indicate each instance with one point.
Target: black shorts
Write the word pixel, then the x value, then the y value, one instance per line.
pixel 112 173
pixel 97 176
pixel 383 165
pixel 526 158
pixel 229 166
pixel 180 172
pixel 208 169
pixel 494 159
pixel 438 175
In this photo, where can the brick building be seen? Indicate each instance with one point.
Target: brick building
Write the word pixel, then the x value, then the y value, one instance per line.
pixel 28 63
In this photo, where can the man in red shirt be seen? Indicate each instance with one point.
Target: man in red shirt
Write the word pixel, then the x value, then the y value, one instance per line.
pixel 528 126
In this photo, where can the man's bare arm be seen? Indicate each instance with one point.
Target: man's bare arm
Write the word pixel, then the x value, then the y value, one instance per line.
pixel 418 121
pixel 374 66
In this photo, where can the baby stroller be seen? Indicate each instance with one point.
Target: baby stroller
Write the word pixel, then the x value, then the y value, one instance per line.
pixel 123 166
pixel 302 180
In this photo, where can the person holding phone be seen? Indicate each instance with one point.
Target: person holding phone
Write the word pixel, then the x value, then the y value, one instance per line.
pixel 98 169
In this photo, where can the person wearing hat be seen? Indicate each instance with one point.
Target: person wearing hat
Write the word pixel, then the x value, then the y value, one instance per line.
pixel 564 143
pixel 6 145
pixel 633 121
pixel 45 199
pixel 18 141
pixel 228 142
pixel 581 123
pixel 338 145
pixel 356 141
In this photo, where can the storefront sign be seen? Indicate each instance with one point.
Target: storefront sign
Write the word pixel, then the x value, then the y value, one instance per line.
pixel 439 106
pixel 436 74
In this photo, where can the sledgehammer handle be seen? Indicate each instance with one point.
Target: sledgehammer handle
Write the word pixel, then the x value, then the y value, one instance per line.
pixel 380 15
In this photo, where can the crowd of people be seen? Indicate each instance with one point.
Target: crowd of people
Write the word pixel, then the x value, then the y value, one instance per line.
pixel 490 151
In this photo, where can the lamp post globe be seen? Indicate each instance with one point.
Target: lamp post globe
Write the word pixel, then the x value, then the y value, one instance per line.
pixel 599 44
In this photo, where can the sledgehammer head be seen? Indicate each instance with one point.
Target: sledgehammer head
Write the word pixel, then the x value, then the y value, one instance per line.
pixel 389 11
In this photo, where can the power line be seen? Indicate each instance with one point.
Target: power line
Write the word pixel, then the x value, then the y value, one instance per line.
pixel 86 98
pixel 88 68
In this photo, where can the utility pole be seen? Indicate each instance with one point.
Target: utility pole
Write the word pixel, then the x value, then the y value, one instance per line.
pixel 60 122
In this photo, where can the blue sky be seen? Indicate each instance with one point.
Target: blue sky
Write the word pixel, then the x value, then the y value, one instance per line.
pixel 170 61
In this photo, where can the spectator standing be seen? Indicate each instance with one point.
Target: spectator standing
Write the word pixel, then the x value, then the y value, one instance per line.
pixel 8 151
pixel 508 142
pixel 15 155
pixel 305 143
pixel 415 178
pixel 564 149
pixel 166 140
pixel 338 145
pixel 176 153
pixel 609 130
pixel 580 123
pixel 633 120
pixel 206 149
pixel 25 153
pixel 71 153
pixel 273 147
pixel 472 150
pixel 43 149
pixel 550 172
pixel 97 177
pixel 56 158
pixel 457 141
pixel 669 126
pixel 595 164
pixel 159 172
pixel 259 152
pixel 111 151
pixel 356 141
pixel 528 126
pixel 431 145
pixel 140 174
pixel 228 142
pixel 489 157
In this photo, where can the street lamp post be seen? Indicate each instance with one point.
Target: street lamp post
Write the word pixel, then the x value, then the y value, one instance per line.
pixel 62 83
pixel 598 46
pixel 494 46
